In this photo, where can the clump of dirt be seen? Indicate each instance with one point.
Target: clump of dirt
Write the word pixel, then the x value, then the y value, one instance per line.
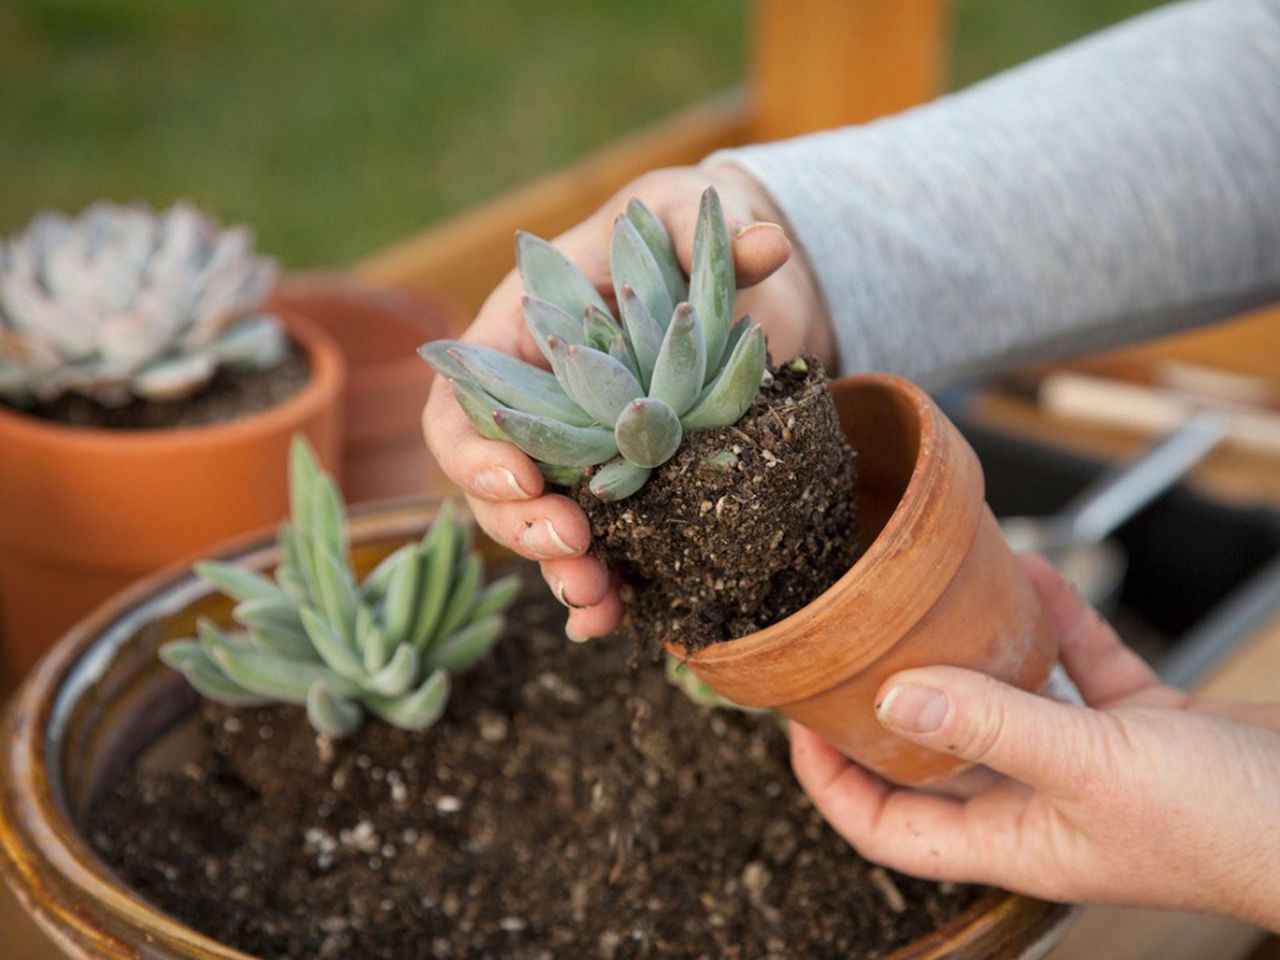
pixel 742 527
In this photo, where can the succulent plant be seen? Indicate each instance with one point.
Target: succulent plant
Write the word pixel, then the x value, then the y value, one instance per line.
pixel 123 302
pixel 314 637
pixel 621 392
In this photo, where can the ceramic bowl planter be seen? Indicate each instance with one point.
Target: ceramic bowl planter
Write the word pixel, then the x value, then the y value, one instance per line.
pixel 937 584
pixel 378 330
pixel 101 698
pixel 84 512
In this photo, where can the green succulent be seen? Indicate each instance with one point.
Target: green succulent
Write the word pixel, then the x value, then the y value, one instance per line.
pixel 315 638
pixel 622 391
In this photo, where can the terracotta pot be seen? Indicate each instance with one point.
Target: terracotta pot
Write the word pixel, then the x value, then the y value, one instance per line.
pixel 101 698
pixel 84 512
pixel 936 585
pixel 379 331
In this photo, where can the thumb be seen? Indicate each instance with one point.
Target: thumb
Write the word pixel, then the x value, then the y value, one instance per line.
pixel 1049 745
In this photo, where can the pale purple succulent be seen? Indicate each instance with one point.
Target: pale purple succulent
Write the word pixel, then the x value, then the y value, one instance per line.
pixel 122 302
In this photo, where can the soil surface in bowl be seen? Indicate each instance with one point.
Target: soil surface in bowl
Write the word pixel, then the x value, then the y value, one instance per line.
pixel 230 395
pixel 742 527
pixel 565 806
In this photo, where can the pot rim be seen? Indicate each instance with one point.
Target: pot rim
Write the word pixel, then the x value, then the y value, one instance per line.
pixel 77 899
pixel 927 486
pixel 327 377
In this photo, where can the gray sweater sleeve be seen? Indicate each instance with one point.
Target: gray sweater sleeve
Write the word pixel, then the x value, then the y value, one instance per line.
pixel 1124 186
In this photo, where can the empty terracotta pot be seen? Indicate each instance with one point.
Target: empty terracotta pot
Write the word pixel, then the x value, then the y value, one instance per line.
pixel 102 699
pixel 84 512
pixel 937 584
pixel 378 330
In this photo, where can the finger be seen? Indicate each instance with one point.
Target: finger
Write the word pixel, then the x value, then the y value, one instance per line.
pixel 578 582
pixel 1102 667
pixel 918 833
pixel 1257 714
pixel 759 251
pixel 1050 745
pixel 551 527
pixel 486 469
pixel 598 620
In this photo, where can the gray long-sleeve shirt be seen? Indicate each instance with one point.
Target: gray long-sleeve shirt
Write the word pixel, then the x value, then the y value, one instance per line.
pixel 1124 186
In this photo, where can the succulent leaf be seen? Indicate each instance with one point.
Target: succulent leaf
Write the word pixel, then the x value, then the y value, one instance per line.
pixel 621 351
pixel 681 365
pixel 374 644
pixel 461 594
pixel 333 649
pixel 401 602
pixel 239 583
pixel 438 549
pixel 397 676
pixel 496 597
pixel 562 476
pixel 479 408
pixel 334 716
pixel 601 385
pixel 643 331
pixel 632 264
pixel 729 395
pixel 275 619
pixel 556 442
pixel 464 649
pixel 548 275
pixel 648 432
pixel 276 677
pixel 511 381
pixel 544 319
pixel 711 283
pixel 659 243
pixel 417 710
pixel 191 660
pixel 598 329
pixel 618 479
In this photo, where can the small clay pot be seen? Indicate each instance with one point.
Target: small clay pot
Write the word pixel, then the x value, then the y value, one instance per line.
pixel 937 584
pixel 84 512
pixel 101 699
pixel 378 330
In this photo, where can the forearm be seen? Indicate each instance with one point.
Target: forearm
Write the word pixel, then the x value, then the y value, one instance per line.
pixel 1122 187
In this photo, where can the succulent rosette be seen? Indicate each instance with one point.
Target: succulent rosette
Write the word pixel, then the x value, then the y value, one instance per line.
pixel 123 302
pixel 622 389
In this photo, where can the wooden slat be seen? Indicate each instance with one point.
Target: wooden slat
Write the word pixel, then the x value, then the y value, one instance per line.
pixel 828 63
pixel 466 256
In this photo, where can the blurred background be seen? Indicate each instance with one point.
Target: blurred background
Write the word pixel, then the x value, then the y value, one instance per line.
pixel 337 127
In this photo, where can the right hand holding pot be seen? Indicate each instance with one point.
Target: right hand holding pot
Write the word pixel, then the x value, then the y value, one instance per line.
pixel 1145 796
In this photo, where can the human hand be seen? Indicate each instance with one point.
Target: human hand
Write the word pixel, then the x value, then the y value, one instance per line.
pixel 1143 797
pixel 503 487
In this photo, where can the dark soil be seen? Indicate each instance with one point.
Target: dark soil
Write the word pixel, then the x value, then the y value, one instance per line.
pixel 564 807
pixel 742 527
pixel 230 395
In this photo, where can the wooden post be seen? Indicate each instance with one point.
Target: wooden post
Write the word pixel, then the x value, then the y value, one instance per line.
pixel 829 63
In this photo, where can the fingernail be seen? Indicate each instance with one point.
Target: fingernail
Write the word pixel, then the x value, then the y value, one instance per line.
pixel 913 709
pixel 498 483
pixel 557 587
pixel 574 637
pixel 759 226
pixel 541 539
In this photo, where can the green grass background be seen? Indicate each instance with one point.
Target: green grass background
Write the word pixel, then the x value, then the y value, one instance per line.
pixel 338 126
